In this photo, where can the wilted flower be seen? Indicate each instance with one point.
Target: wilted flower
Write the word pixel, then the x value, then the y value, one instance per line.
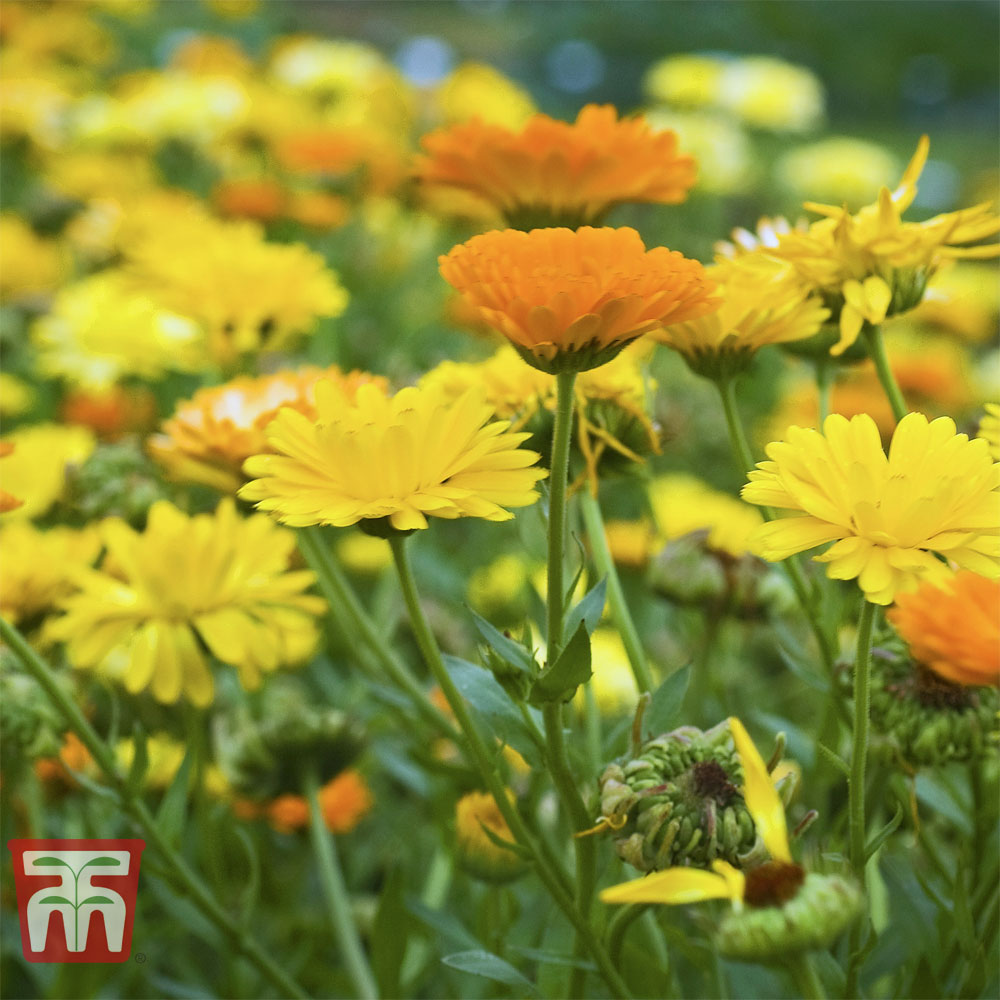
pixel 571 300
pixel 552 173
pixel 211 435
pixel 935 493
pixel 370 456
pixel 215 579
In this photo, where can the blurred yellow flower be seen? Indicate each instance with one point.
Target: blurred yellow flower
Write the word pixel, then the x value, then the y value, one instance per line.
pixel 475 813
pixel 937 492
pixel 569 300
pixel 36 470
pixel 772 94
pixel 838 169
pixel 212 579
pixel 476 90
pixel 612 682
pixel 30 266
pixel 361 553
pixel 963 297
pixel 682 504
pixel 763 301
pixel 104 328
pixel 16 396
pixel 399 457
pixel 872 264
pixel 685 81
pixel 211 435
pixel 164 756
pixel 499 586
pixel 556 173
pixel 248 295
pixel 84 174
pixel 955 629
pixel 38 566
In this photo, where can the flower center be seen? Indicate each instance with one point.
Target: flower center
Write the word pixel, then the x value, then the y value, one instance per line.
pixel 773 883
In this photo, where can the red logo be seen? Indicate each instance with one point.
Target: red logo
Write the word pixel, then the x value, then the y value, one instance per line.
pixel 76 898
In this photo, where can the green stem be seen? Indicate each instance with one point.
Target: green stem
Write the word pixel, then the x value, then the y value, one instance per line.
pixel 806 978
pixel 825 369
pixel 619 924
pixel 557 510
pixel 594 523
pixel 876 351
pixel 174 863
pixel 549 871
pixel 338 592
pixel 337 900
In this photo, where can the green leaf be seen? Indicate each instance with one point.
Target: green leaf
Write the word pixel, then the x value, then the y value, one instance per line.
pixel 103 862
pixel 511 652
pixel 885 833
pixel 447 926
pixel 96 899
pixel 172 813
pixel 571 669
pixel 553 958
pixel 835 759
pixel 48 862
pixel 56 899
pixel 390 934
pixel 489 966
pixel 665 708
pixel 588 610
pixel 499 713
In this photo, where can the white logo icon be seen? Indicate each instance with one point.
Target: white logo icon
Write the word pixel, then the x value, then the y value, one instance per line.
pixel 75 897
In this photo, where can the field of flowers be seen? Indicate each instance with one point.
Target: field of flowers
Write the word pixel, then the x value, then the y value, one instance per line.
pixel 488 542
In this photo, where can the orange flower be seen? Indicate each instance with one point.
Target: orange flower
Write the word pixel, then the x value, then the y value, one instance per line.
pixel 571 300
pixel 340 150
pixel 211 435
pixel 344 802
pixel 555 173
pixel 954 630
pixel 263 200
pixel 112 412
pixel 73 756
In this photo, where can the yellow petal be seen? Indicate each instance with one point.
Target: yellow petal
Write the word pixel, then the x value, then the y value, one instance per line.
pixel 674 886
pixel 760 795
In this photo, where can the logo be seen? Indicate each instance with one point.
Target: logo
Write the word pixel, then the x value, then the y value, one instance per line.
pixel 76 898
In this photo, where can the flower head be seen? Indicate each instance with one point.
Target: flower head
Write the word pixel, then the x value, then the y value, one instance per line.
pixel 955 629
pixel 936 492
pixel 554 173
pixel 475 814
pixel 343 801
pixel 763 301
pixel 872 264
pixel 571 300
pixel 400 457
pixel 212 579
pixel 211 435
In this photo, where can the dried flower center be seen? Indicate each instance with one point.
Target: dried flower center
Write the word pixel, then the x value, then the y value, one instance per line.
pixel 712 781
pixel 773 883
pixel 931 690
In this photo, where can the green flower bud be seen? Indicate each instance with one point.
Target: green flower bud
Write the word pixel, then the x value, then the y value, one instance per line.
pixel 787 912
pixel 930 720
pixel 677 802
pixel 30 727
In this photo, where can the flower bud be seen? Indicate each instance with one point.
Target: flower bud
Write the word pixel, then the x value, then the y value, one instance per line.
pixel 480 854
pixel 30 727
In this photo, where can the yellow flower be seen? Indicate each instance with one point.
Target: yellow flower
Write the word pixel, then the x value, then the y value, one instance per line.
pixel 476 813
pixel 692 885
pixel 364 554
pixel 872 264
pixel 102 328
pixel 682 504
pixel 401 457
pixel 36 470
pixel 764 301
pixel 963 298
pixel 211 435
pixel 989 429
pixel 772 94
pixel 555 173
pixel 248 295
pixel 612 682
pixel 475 90
pixel 38 566
pixel 937 492
pixel 571 300
pixel 16 396
pixel 685 81
pixel 32 266
pixel 954 630
pixel 164 756
pixel 212 579
pixel 499 586
pixel 838 169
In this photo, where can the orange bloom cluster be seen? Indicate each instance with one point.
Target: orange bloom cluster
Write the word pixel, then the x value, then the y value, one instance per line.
pixel 556 173
pixel 954 630
pixel 211 435
pixel 571 300
pixel 344 801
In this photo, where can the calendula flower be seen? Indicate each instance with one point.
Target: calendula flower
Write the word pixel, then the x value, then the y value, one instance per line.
pixel 16 396
pixel 36 467
pixel 246 294
pixel 476 813
pixel 554 173
pixel 963 299
pixel 989 429
pixel 476 90
pixel 777 908
pixel 839 169
pixel 571 300
pixel 871 264
pixel 38 566
pixel 685 81
pixel 111 412
pixel 954 629
pixel 343 801
pixel 402 457
pixel 612 682
pixel 936 493
pixel 103 328
pixel 771 94
pixel 164 756
pixel 763 301
pixel 212 579
pixel 32 266
pixel 211 435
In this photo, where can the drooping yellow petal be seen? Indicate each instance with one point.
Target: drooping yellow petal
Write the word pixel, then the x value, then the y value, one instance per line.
pixel 674 886
pixel 763 802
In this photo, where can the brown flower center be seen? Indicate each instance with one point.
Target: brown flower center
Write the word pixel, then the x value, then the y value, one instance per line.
pixel 773 883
